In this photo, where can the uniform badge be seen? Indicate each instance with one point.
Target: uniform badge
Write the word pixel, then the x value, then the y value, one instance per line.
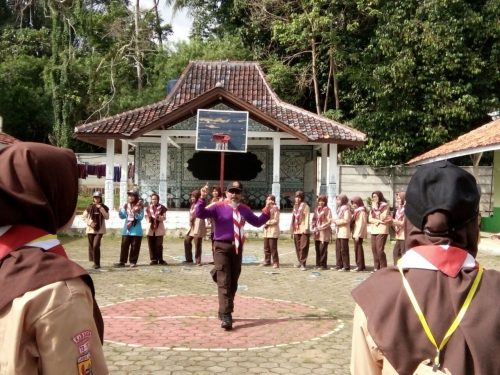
pixel 84 365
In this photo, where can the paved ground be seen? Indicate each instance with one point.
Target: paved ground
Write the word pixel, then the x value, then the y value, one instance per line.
pixel 162 319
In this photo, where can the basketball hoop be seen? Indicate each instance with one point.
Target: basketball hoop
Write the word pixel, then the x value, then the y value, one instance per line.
pixel 221 140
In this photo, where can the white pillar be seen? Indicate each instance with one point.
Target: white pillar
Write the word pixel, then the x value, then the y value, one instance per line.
pixel 110 164
pixel 276 187
pixel 332 177
pixel 124 177
pixel 324 169
pixel 162 189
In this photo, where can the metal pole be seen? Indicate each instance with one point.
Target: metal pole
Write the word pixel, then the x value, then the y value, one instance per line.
pixel 222 172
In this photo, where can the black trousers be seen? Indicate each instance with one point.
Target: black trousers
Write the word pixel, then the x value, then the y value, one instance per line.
pixel 134 244
pixel 155 245
pixel 188 249
pixel 95 247
pixel 226 272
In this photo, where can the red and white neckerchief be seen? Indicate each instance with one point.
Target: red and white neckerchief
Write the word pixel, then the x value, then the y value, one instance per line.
pixel 445 258
pixel 341 210
pixel 400 214
pixel 13 237
pixel 237 228
pixel 357 211
pixel 152 214
pixel 381 207
pixel 129 208
pixel 297 215
pixel 321 213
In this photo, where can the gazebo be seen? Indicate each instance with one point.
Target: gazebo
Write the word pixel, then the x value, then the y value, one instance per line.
pixel 283 140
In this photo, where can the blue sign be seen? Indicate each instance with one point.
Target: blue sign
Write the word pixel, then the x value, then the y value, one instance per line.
pixel 221 130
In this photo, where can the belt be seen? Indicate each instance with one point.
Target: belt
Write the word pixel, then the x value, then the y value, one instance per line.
pixel 226 241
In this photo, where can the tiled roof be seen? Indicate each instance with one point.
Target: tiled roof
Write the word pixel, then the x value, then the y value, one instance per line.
pixel 7 139
pixel 243 81
pixel 484 138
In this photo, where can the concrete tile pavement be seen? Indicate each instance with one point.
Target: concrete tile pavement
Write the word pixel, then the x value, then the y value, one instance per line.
pixel 291 321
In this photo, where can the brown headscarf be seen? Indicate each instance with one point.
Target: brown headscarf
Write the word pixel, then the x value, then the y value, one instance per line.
pixel 467 237
pixel 38 185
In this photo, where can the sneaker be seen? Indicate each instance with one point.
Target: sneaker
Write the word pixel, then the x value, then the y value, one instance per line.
pixel 133 265
pixel 199 264
pixel 342 270
pixel 297 266
pixel 227 322
pixel 118 265
pixel 276 266
pixel 265 264
pixel 303 268
pixel 335 268
pixel 96 266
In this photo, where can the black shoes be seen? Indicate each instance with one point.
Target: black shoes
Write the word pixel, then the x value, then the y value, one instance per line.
pixel 119 265
pixel 162 262
pixel 153 262
pixel 96 266
pixel 227 322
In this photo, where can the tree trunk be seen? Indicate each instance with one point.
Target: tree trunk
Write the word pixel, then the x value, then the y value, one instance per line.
pixel 335 82
pixel 315 77
pixel 138 60
pixel 158 23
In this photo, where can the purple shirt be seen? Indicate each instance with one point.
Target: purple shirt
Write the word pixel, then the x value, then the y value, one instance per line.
pixel 222 213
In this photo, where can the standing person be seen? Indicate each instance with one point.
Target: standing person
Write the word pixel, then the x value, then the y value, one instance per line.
pixel 228 238
pixel 398 223
pixel 343 233
pixel 197 230
pixel 94 216
pixel 322 231
pixel 271 234
pixel 300 229
pixel 379 218
pixel 155 215
pixel 49 320
pixel 133 213
pixel 452 293
pixel 359 232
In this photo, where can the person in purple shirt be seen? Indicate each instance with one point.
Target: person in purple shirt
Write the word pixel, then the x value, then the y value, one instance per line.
pixel 229 216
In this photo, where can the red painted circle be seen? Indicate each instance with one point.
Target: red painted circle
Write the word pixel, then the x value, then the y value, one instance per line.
pixel 190 322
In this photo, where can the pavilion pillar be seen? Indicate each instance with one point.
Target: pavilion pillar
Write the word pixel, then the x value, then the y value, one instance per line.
pixel 124 176
pixel 163 187
pixel 332 177
pixel 276 187
pixel 324 169
pixel 109 183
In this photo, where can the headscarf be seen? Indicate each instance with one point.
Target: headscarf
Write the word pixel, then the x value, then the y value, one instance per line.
pixel 38 185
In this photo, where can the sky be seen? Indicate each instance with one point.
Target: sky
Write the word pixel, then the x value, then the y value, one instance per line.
pixel 181 22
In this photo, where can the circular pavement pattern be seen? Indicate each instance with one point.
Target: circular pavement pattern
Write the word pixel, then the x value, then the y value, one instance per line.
pixel 189 322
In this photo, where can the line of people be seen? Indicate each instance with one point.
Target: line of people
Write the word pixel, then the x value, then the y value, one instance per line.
pixel 352 219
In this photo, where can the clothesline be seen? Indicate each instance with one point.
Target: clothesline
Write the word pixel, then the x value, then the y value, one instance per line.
pixel 99 170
